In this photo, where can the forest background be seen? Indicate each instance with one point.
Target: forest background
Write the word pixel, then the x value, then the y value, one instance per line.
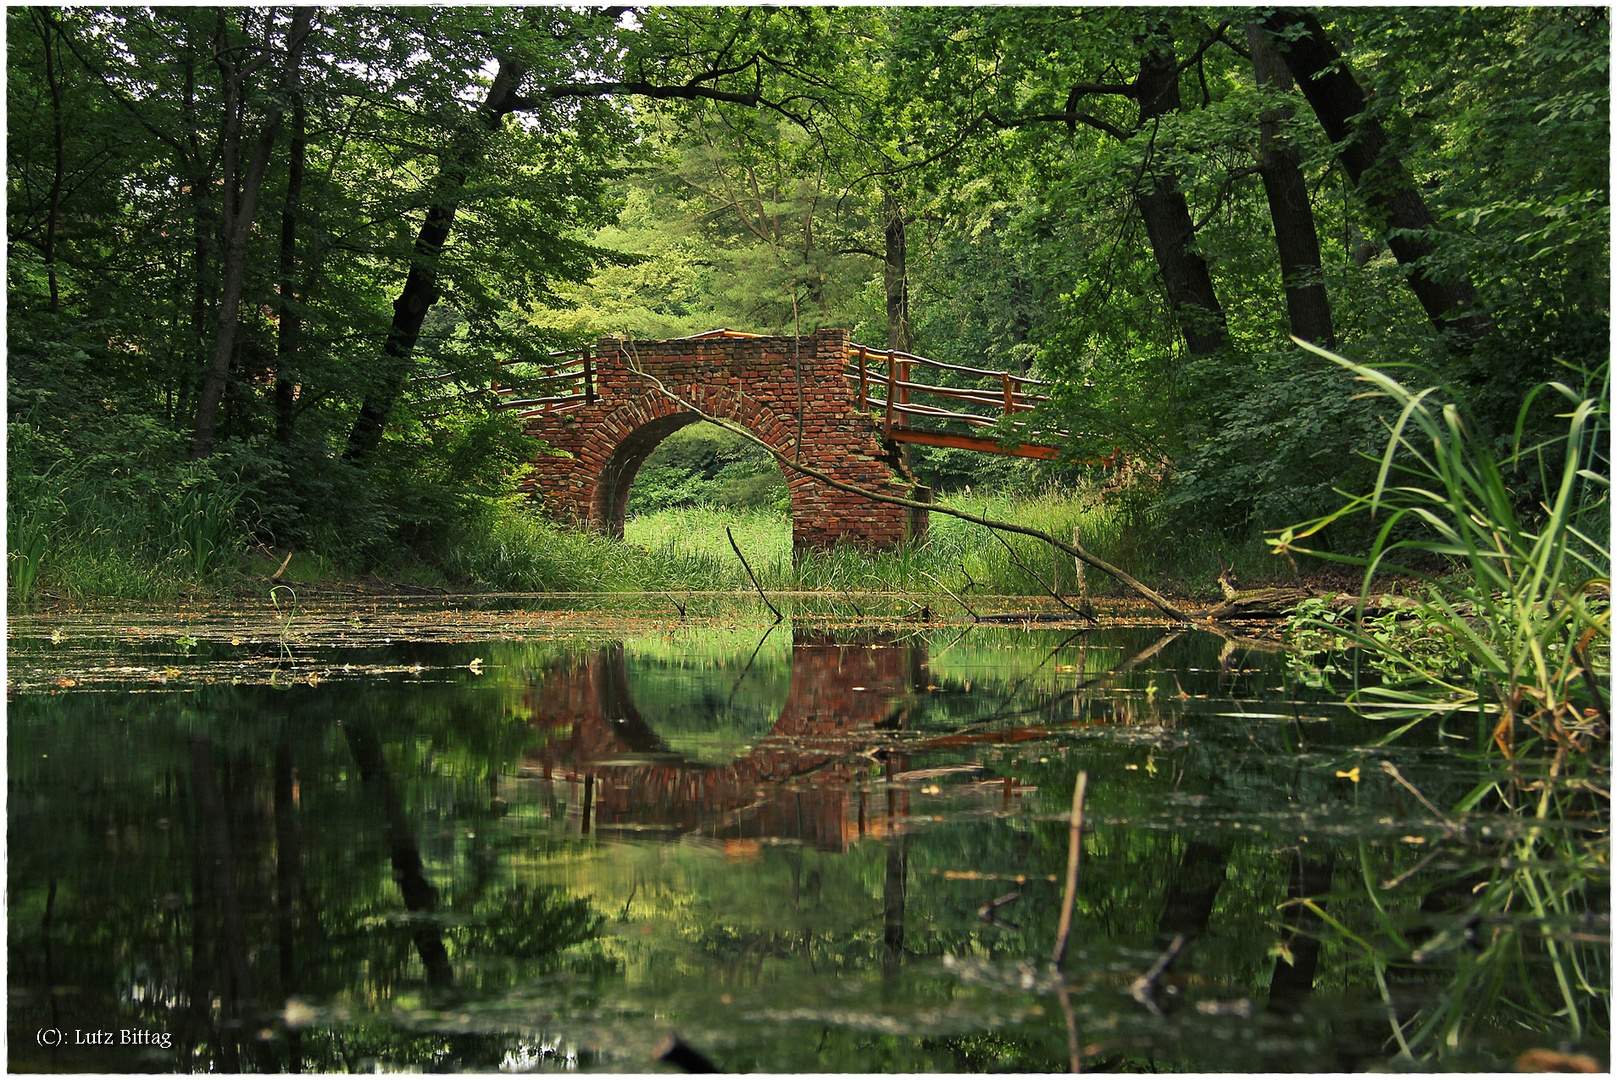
pixel 246 245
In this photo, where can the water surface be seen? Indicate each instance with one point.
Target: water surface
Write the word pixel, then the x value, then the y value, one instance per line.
pixel 408 839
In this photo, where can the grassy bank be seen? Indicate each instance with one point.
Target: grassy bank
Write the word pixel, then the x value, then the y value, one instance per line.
pixel 510 549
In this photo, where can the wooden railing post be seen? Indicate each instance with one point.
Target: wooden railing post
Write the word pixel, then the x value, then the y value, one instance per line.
pixel 864 382
pixel 589 378
pixel 1010 395
pixel 892 390
pixel 903 377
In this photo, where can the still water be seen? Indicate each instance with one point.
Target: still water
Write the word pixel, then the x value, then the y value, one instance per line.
pixel 423 840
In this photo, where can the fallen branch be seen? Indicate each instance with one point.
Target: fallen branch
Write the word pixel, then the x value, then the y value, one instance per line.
pixel 974 616
pixel 1144 987
pixel 989 912
pixel 1161 603
pixel 737 549
pixel 1075 849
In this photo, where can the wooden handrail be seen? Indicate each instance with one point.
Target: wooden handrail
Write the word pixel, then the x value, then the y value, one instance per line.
pixel 1024 402
pixel 929 362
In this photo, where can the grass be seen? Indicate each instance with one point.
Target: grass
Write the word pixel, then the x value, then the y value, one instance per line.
pixel 963 557
pixel 118 550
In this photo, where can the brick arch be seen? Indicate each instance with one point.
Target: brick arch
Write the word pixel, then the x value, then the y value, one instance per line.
pixel 775 387
pixel 659 416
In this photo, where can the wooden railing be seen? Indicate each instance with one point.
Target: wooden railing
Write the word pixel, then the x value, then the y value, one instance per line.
pixel 568 382
pixel 893 373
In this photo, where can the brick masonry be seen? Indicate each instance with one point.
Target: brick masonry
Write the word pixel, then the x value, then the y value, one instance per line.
pixel 787 391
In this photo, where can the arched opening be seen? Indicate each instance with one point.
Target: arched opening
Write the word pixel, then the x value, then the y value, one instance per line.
pixel 680 462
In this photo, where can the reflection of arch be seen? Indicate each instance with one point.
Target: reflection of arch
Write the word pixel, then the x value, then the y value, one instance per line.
pixel 790 392
pixel 842 697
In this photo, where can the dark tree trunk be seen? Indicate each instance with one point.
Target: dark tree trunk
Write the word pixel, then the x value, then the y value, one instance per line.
pixel 895 890
pixel 288 872
pixel 238 209
pixel 240 998
pixel 1280 167
pixel 1191 895
pixel 1291 982
pixel 421 285
pixel 46 32
pixel 1185 276
pixel 895 277
pixel 286 336
pixel 1373 167
pixel 419 893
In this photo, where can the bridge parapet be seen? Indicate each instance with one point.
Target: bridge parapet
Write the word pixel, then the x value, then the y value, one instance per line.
pixel 792 393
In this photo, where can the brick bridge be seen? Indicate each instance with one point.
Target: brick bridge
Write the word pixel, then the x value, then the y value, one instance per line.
pixel 793 393
pixel 798 782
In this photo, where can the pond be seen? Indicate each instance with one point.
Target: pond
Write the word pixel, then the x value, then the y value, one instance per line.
pixel 541 835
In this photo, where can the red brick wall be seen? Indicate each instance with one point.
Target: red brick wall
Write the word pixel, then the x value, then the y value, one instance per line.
pixel 757 383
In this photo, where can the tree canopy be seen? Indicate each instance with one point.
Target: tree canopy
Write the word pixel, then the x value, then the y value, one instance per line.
pixel 283 251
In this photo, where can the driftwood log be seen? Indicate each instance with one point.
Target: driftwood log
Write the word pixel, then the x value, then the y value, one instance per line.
pixel 1277 603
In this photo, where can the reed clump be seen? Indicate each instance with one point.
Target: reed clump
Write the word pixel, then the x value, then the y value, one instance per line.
pixel 1513 632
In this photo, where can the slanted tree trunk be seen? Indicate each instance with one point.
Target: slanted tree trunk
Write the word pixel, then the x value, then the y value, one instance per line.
pixel 1374 169
pixel 47 31
pixel 1293 977
pixel 420 896
pixel 895 276
pixel 1166 214
pixel 1280 167
pixel 421 284
pixel 286 335
pixel 238 209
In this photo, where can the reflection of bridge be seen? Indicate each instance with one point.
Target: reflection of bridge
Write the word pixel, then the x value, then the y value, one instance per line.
pixel 835 406
pixel 798 780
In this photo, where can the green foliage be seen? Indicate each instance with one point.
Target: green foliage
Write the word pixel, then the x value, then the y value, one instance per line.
pixel 204 521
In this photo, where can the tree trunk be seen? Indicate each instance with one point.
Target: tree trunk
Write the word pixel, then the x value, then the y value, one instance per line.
pixel 895 890
pixel 286 336
pixel 288 875
pixel 1188 908
pixel 421 285
pixel 420 896
pixel 1280 167
pixel 895 277
pixel 240 999
pixel 46 32
pixel 237 211
pixel 1293 979
pixel 1372 166
pixel 1185 276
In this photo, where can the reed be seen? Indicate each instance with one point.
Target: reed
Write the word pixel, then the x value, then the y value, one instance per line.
pixel 1524 597
pixel 1514 630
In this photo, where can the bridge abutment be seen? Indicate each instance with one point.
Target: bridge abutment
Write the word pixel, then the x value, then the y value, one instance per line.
pixel 789 392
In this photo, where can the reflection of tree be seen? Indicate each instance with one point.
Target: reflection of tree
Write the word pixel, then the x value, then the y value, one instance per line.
pixel 1293 977
pixel 420 897
pixel 232 863
pixel 238 997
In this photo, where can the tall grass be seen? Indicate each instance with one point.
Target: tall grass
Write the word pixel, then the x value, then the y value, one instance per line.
pixel 1523 616
pixel 118 538
pixel 686 549
pixel 1525 603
